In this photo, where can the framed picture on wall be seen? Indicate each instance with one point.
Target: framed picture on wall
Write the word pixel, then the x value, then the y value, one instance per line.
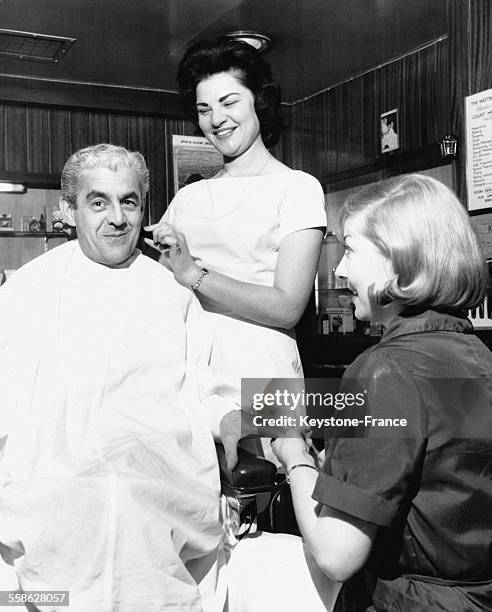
pixel 194 158
pixel 390 140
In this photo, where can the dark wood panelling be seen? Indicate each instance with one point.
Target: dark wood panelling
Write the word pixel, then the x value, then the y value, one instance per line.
pixel 338 131
pixel 411 119
pixel 79 130
pixel 98 128
pixel 138 133
pixel 60 139
pixel 370 118
pixel 480 45
pixel 332 133
pixel 38 140
pixel 434 97
pixel 15 138
pixel 356 125
pixel 343 128
pixel 444 85
pixel 156 161
pixel 282 150
pixel 3 142
pixel 119 130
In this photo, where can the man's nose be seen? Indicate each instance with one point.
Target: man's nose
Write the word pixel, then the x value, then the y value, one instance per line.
pixel 340 269
pixel 116 215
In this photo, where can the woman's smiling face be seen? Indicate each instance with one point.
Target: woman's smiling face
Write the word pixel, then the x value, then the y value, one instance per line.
pixel 226 113
pixel 364 266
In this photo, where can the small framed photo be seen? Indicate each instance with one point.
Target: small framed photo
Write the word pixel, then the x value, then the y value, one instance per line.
pixel 390 132
pixel 6 222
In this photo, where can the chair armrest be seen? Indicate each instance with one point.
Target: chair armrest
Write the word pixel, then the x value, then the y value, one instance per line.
pixel 252 474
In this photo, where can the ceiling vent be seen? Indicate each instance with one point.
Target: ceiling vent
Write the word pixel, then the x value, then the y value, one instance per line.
pixel 31 46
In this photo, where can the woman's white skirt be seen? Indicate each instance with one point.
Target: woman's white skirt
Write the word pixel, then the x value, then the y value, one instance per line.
pixel 274 573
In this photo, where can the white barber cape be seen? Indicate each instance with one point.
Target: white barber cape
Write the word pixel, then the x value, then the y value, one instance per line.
pixel 110 480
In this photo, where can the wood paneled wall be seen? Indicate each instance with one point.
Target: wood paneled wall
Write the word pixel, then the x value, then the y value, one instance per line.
pixel 329 135
pixel 339 129
pixel 36 142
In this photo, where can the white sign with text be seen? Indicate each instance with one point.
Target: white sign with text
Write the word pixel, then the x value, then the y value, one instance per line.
pixel 478 110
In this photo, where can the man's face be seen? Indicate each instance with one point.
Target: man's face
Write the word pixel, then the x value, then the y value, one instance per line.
pixel 108 215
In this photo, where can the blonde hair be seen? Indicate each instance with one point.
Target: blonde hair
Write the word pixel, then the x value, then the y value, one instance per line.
pixel 421 227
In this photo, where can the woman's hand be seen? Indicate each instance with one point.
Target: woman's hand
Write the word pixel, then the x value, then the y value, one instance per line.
pixel 292 450
pixel 175 252
pixel 164 236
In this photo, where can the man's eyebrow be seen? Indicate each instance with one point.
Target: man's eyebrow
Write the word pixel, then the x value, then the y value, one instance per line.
pixel 100 194
pixel 130 194
pixel 233 93
pixel 96 194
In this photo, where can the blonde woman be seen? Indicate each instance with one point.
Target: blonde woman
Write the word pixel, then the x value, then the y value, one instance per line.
pixel 402 513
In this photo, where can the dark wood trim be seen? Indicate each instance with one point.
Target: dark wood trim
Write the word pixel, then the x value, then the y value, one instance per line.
pixel 479 211
pixel 391 164
pixel 32 179
pixel 286 114
pixel 40 234
pixel 95 97
pixel 78 96
pixel 371 176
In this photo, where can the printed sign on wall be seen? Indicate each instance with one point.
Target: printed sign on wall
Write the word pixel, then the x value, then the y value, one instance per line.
pixel 479 150
pixel 194 158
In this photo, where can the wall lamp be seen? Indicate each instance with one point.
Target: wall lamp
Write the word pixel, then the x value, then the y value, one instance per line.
pixel 12 188
pixel 449 146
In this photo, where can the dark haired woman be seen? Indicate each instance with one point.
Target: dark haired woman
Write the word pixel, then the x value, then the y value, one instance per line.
pixel 248 240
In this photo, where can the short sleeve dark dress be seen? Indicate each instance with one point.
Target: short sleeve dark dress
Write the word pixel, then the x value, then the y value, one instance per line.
pixel 428 487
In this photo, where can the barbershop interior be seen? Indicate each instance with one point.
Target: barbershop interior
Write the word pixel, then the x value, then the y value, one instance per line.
pixel 320 187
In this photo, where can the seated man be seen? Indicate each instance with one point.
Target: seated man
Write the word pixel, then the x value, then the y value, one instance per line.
pixel 109 473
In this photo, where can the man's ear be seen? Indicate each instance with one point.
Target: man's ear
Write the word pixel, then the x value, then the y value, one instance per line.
pixel 67 211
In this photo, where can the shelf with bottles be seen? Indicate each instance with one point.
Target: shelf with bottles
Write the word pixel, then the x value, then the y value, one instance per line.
pixel 46 236
pixel 339 321
pixel 37 234
pixel 335 311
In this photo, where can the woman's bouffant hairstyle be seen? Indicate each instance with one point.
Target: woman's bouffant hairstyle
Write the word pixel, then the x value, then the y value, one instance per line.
pixel 105 155
pixel 421 227
pixel 209 57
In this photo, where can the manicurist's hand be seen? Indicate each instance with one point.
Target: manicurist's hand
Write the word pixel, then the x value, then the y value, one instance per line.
pixel 175 254
pixel 292 450
pixel 164 235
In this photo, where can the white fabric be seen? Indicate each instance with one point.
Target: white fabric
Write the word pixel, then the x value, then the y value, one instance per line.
pixel 273 572
pixel 234 225
pixel 110 479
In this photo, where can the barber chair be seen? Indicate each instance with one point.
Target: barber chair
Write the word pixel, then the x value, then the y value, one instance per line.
pixel 257 493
